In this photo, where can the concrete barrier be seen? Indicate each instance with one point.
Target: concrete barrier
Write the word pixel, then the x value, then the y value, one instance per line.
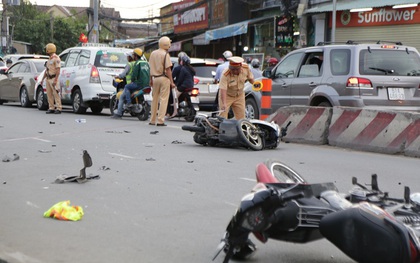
pixel 354 128
pixel 308 124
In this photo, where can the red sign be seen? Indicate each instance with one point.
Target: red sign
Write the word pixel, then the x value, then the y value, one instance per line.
pixel 192 19
pixel 378 17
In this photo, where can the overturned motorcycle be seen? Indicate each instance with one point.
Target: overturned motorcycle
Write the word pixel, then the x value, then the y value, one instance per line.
pixel 284 206
pixel 252 134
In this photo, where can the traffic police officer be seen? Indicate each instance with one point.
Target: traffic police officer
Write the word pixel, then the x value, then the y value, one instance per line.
pixel 231 87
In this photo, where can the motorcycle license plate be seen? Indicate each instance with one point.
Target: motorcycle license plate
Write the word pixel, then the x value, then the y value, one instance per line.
pixel 147 97
pixel 194 100
pixel 396 94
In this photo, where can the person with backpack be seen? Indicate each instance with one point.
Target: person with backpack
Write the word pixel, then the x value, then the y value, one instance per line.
pixel 139 79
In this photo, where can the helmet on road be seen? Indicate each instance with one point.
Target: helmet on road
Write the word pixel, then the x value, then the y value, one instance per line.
pixel 255 63
pixel 272 61
pixel 227 54
pixel 164 43
pixel 50 48
pixel 138 52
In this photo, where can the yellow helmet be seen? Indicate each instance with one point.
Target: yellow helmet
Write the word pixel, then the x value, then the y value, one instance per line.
pixel 50 48
pixel 164 43
pixel 138 52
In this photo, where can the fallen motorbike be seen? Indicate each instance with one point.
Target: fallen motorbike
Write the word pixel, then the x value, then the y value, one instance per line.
pixel 252 134
pixel 185 104
pixel 140 100
pixel 284 206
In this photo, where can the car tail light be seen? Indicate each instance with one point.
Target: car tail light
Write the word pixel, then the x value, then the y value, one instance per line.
pixel 196 81
pixel 147 90
pixel 355 82
pixel 195 92
pixel 36 78
pixel 94 75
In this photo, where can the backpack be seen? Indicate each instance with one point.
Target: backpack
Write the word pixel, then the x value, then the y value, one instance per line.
pixel 141 73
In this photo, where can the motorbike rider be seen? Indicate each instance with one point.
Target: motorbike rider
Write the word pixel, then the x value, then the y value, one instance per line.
pixel 128 68
pixel 226 55
pixel 175 73
pixel 272 62
pixel 139 79
pixel 255 68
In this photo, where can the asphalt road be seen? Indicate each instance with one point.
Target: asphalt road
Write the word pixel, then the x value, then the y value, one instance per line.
pixel 160 197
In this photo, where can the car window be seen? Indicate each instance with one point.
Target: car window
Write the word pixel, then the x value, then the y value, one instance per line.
pixel 288 66
pixel 14 68
pixel 63 58
pixel 24 68
pixel 312 65
pixel 72 58
pixel 110 59
pixel 204 71
pixel 340 61
pixel 389 62
pixel 39 65
pixel 84 57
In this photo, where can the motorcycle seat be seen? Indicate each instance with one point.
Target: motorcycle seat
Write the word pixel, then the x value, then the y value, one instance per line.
pixel 367 234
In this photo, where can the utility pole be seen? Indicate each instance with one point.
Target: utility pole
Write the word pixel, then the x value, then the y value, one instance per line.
pixel 4 28
pixel 94 24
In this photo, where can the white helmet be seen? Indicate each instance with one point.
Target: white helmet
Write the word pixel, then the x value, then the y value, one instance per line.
pixel 255 63
pixel 227 54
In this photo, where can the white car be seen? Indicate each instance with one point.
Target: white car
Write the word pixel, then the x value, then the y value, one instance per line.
pixel 86 72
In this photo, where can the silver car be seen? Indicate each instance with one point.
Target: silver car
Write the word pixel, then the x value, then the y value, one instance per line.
pixel 370 75
pixel 17 83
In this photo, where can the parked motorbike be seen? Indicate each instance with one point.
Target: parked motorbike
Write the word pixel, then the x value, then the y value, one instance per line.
pixel 140 100
pixel 367 225
pixel 185 105
pixel 252 134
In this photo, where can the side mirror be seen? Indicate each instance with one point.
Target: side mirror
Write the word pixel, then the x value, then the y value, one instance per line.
pixel 267 73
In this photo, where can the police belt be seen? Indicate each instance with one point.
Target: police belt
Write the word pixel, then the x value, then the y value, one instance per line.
pixel 50 76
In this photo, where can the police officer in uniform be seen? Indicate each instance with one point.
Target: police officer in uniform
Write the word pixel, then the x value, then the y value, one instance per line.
pixel 231 87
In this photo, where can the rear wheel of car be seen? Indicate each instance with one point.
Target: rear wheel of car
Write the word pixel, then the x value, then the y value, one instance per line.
pixel 77 101
pixel 24 97
pixel 325 104
pixel 251 109
pixel 41 99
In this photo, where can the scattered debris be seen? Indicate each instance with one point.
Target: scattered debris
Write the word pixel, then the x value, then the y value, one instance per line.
pixel 118 131
pixel 80 120
pixel 11 159
pixel 44 151
pixel 4 182
pixel 190 161
pixel 52 122
pixel 177 142
pixel 150 159
pixel 154 132
pixel 82 178
pixel 64 211
pixel 104 168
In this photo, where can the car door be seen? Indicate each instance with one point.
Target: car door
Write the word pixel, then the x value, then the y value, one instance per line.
pixel 68 73
pixel 308 78
pixel 283 76
pixel 11 84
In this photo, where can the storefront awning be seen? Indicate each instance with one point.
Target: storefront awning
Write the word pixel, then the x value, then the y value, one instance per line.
pixel 200 40
pixel 351 4
pixel 231 30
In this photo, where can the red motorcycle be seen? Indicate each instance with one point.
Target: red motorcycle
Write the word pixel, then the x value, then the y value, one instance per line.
pixel 367 225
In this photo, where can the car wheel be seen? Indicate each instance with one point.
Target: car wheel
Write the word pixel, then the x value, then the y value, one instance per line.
pixel 251 109
pixel 24 98
pixel 325 104
pixel 41 100
pixel 77 100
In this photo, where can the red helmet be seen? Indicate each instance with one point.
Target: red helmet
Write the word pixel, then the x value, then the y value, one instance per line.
pixel 272 61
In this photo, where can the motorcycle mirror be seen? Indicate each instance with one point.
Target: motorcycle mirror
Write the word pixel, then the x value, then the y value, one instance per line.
pixel 375 186
pixel 407 195
pixel 354 182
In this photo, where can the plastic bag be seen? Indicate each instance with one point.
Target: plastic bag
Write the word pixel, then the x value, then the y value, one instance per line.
pixel 63 211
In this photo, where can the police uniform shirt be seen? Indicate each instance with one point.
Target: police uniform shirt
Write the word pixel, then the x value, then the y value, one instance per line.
pixel 234 84
pixel 53 65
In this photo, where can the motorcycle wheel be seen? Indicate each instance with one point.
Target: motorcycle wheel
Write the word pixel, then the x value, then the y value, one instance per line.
pixel 144 115
pixel 113 104
pixel 248 135
pixel 197 139
pixel 191 115
pixel 283 173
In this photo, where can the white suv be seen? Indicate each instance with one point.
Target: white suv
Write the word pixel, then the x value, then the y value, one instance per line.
pixel 86 71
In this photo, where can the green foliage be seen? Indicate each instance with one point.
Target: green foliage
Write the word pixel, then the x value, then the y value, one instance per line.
pixel 32 26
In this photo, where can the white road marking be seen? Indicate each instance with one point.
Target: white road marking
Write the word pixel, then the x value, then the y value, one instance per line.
pixel 122 155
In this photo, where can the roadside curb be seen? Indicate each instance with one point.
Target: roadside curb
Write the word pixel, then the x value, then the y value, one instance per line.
pixel 353 128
